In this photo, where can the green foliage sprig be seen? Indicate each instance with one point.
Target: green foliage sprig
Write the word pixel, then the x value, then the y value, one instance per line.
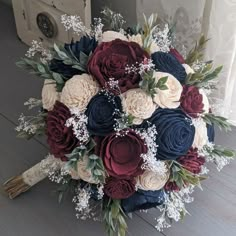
pixel 149 84
pixel 79 152
pixel 114 218
pixel 95 165
pixel 219 121
pixel 220 152
pixel 182 177
pixel 69 58
pixel 204 76
pixel 196 54
pixel 42 70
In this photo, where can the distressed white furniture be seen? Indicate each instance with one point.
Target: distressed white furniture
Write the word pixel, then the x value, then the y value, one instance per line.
pixel 41 19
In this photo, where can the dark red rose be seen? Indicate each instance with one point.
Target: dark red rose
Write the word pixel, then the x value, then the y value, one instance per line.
pixel 177 55
pixel 119 188
pixel 110 60
pixel 192 161
pixel 171 186
pixel 122 154
pixel 60 138
pixel 191 101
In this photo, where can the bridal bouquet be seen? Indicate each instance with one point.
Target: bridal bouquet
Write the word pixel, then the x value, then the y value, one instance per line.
pixel 127 119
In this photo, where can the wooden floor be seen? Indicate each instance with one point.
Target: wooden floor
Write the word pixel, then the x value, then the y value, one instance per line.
pixel 37 212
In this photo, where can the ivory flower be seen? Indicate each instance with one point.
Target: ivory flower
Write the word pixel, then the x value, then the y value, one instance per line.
pixel 82 172
pixel 137 39
pixel 151 180
pixel 108 36
pixel 205 101
pixel 49 94
pixel 137 103
pixel 169 98
pixel 201 137
pixel 154 47
pixel 78 91
pixel 188 69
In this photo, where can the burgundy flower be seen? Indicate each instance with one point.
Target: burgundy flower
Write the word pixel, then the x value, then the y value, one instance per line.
pixel 191 101
pixel 60 138
pixel 119 188
pixel 122 154
pixel 177 55
pixel 110 60
pixel 192 161
pixel 171 186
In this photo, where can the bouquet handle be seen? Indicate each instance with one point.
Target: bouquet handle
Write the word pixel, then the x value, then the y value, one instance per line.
pixel 22 183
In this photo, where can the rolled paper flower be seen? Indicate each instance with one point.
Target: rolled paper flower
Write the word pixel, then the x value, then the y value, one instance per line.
pixel 139 104
pixel 119 188
pixel 191 101
pixel 82 172
pixel 78 91
pixel 142 200
pixel 108 36
pixel 49 94
pixel 201 137
pixel 136 38
pixel 165 62
pixel 169 98
pixel 102 112
pixel 122 154
pixel 192 161
pixel 175 133
pixel 61 139
pixel 110 60
pixel 171 186
pixel 177 55
pixel 211 133
pixel 188 69
pixel 150 180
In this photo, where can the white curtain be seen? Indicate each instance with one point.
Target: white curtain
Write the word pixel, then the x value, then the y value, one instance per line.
pixel 217 20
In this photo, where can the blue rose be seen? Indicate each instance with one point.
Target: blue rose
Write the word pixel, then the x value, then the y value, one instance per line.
pixel 166 62
pixel 142 200
pixel 175 133
pixel 102 112
pixel 211 133
pixel 85 44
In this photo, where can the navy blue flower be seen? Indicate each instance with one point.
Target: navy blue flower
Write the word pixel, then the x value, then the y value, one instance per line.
pixel 166 62
pixel 142 200
pixel 211 133
pixel 85 45
pixel 102 112
pixel 175 133
pixel 66 70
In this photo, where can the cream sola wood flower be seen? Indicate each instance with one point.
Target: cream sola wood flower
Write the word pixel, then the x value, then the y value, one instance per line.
pixel 169 98
pixel 49 94
pixel 82 172
pixel 138 104
pixel 78 91
pixel 108 36
pixel 150 180
pixel 201 137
